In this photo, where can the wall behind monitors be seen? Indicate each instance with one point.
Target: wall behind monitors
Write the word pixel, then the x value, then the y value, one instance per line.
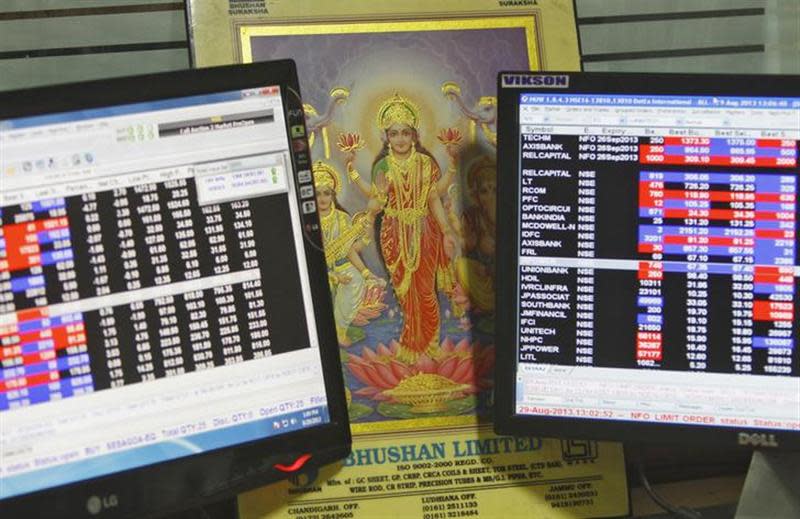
pixel 49 42
pixel 649 244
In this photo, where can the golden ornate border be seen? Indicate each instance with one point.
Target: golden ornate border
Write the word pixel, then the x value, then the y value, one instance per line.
pixel 248 31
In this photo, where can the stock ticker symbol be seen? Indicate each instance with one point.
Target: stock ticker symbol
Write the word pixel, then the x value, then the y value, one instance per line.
pixel 578 451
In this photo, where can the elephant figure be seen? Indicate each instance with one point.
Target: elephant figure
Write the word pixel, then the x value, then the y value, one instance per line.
pixel 317 123
pixel 484 114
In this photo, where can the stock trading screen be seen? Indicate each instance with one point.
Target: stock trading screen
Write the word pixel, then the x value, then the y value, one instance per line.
pixel 154 291
pixel 658 259
pixel 115 271
pixel 133 284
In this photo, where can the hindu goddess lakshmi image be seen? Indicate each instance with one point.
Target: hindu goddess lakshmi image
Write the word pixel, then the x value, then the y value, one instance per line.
pixel 416 241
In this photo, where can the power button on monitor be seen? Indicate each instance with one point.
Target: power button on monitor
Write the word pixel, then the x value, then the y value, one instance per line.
pixel 294 467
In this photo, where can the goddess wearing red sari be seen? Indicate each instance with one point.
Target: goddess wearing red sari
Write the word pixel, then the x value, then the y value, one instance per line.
pixel 416 241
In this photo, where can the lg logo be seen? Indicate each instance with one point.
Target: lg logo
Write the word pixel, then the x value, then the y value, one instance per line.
pixel 758 440
pixel 96 504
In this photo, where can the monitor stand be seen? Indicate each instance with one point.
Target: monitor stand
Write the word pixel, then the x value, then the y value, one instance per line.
pixel 772 487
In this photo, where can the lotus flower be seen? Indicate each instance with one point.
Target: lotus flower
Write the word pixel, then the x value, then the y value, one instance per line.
pixel 348 142
pixel 381 369
pixel 449 136
pixel 372 304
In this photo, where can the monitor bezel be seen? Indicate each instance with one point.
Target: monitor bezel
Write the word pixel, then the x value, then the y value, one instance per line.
pixel 192 481
pixel 507 421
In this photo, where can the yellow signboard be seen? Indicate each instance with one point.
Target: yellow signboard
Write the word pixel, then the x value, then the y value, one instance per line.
pixel 460 472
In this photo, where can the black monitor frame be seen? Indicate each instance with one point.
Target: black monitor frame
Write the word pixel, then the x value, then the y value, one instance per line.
pixel 193 481
pixel 507 421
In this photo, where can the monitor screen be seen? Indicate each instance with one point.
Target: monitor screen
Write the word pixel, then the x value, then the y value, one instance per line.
pixel 650 240
pixel 155 295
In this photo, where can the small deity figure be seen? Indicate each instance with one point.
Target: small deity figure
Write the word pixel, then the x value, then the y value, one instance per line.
pixel 343 238
pixel 416 241
pixel 476 268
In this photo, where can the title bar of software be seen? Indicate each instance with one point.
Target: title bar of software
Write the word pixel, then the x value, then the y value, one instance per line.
pixel 788 103
pixel 129 109
pixel 223 122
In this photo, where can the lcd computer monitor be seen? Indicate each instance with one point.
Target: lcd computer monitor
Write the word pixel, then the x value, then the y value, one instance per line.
pixel 165 321
pixel 647 272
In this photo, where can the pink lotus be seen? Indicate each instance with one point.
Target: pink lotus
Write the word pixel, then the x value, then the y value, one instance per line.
pixel 382 370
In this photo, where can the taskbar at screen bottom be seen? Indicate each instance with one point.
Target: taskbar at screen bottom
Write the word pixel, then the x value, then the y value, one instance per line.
pixel 151 453
pixel 658 397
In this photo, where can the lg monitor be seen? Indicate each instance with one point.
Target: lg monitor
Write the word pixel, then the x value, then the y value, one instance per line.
pixel 166 328
pixel 647 280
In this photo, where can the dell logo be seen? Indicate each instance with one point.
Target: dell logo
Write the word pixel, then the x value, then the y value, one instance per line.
pixel 758 440
pixel 96 504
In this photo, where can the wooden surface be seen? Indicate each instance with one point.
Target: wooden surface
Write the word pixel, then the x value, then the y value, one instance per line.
pixel 706 477
pixel 697 494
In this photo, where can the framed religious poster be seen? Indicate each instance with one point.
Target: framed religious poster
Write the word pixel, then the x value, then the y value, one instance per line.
pixel 400 103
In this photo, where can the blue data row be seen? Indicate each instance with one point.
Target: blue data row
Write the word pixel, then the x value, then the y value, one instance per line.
pixel 58 364
pixel 723 149
pixel 47 392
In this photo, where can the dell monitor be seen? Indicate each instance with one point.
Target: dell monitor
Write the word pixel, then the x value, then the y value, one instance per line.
pixel 166 332
pixel 647 281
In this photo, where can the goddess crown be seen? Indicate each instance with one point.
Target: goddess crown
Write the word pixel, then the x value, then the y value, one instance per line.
pixel 398 109
pixel 326 175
